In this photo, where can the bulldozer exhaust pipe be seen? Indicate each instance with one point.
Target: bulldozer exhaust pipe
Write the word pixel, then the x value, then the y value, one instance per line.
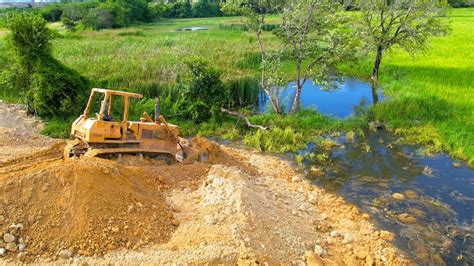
pixel 157 109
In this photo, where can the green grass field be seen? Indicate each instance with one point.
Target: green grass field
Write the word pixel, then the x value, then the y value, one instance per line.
pixel 430 97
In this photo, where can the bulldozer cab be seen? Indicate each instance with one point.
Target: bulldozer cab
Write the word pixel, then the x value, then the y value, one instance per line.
pixel 107 102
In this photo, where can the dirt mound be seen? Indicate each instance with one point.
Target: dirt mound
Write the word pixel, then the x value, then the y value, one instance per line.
pixel 87 206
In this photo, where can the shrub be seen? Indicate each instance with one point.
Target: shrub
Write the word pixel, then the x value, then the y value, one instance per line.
pixel 47 87
pixel 206 8
pixel 57 90
pixel 178 10
pixel 52 13
pixel 276 140
pixel 105 16
pixel 204 93
pixel 69 24
pixel 135 10
pixel 77 11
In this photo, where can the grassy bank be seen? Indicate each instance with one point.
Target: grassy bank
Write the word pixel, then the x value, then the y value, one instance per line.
pixel 431 96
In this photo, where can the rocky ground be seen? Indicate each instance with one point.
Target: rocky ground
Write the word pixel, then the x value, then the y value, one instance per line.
pixel 240 207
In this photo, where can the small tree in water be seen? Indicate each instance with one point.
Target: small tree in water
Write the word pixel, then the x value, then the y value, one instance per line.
pixel 313 39
pixel 404 23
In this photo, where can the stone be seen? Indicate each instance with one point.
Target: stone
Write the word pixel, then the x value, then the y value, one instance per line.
pixel 312 259
pixel 209 219
pixel 65 254
pixel 347 239
pixel 457 165
pixel 361 253
pixel 398 196
pixel 334 233
pixel 428 171
pixel 353 261
pixel 410 194
pixel 296 179
pixel 312 198
pixel 9 238
pixel 21 246
pixel 365 216
pixel 3 251
pixel 21 256
pixel 388 236
pixel 11 246
pixel 318 250
pixel 406 218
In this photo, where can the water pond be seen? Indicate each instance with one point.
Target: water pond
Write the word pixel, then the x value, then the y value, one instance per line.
pixel 428 201
pixel 343 99
pixel 191 28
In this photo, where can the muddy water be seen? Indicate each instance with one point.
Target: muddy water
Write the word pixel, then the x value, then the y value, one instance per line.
pixel 432 214
pixel 342 99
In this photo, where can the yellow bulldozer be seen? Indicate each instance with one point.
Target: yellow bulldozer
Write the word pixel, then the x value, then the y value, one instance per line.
pixel 108 136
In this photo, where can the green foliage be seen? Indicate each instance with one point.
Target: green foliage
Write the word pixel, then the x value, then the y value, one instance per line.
pixel 52 13
pixel 58 127
pixel 47 87
pixel 29 37
pixel 57 90
pixel 136 10
pixel 276 140
pixel 105 16
pixel 178 10
pixel 204 93
pixel 69 24
pixel 206 8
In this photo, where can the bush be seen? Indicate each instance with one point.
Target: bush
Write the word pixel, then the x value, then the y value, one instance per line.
pixel 57 90
pixel 47 87
pixel 204 93
pixel 206 8
pixel 276 140
pixel 77 11
pixel 178 10
pixel 105 16
pixel 52 13
pixel 69 24
pixel 135 10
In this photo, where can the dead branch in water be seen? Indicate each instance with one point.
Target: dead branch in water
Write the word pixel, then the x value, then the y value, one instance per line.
pixel 241 116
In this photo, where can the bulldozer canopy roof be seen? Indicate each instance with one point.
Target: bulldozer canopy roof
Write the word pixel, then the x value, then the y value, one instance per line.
pixel 120 93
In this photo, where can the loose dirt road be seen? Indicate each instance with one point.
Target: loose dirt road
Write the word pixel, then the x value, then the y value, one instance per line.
pixel 240 207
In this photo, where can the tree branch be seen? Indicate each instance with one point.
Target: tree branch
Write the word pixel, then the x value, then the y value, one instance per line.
pixel 241 116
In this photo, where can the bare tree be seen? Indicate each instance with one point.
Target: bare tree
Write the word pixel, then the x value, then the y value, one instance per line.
pixel 404 23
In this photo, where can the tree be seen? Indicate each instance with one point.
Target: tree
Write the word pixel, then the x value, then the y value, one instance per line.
pixel 314 39
pixel 253 16
pixel 404 23
pixel 47 87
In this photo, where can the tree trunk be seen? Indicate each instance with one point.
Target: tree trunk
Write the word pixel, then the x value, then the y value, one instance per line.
pixel 375 96
pixel 375 70
pixel 296 99
pixel 275 104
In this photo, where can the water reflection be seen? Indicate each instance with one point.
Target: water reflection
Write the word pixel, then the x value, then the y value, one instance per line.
pixel 433 221
pixel 344 98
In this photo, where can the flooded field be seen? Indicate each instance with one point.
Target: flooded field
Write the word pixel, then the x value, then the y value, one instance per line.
pixel 343 99
pixel 426 200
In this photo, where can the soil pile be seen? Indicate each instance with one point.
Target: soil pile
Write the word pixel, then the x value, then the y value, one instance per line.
pixel 87 206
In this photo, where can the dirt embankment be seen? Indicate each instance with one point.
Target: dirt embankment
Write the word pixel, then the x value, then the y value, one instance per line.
pixel 240 207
